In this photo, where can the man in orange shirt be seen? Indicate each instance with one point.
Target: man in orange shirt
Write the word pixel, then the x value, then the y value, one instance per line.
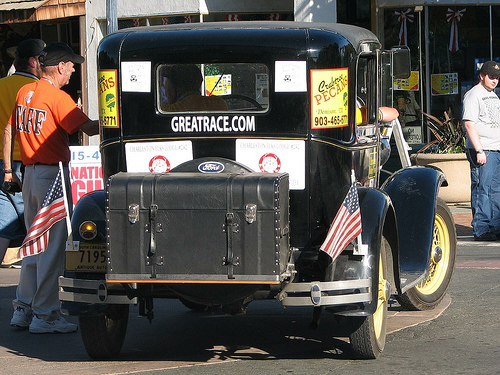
pixel 43 117
pixel 28 69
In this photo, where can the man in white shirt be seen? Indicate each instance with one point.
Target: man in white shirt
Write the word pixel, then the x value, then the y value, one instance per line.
pixel 481 116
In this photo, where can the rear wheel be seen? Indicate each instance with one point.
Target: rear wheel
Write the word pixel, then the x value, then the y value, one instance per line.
pixel 432 289
pixel 103 334
pixel 368 338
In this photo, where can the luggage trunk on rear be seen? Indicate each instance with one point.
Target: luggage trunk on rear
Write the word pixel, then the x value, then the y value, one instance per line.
pixel 184 227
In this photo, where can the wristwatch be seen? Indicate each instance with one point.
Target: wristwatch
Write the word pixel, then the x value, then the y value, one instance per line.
pixel 7 170
pixel 480 151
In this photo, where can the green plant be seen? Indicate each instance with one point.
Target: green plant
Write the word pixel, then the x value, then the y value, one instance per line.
pixel 449 134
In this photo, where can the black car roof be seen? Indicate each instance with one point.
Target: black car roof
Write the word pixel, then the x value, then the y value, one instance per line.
pixel 353 34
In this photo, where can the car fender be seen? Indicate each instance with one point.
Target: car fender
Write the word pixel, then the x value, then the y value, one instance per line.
pixel 413 192
pixel 90 207
pixel 378 219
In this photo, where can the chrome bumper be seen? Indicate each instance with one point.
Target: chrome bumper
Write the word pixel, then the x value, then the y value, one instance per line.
pixel 90 291
pixel 326 293
pixel 316 293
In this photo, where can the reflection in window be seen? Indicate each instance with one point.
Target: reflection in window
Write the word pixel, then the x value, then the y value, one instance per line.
pixel 212 87
pixel 365 91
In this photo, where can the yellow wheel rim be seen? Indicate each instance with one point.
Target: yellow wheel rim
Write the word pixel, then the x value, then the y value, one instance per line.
pixel 378 315
pixel 440 258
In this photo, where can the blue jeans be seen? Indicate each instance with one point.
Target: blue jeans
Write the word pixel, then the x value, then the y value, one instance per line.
pixel 12 211
pixel 485 193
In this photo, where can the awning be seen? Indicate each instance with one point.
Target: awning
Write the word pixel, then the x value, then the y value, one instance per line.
pixel 412 3
pixel 17 11
pixel 9 5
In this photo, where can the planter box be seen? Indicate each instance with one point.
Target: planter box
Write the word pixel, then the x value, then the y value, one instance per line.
pixel 457 171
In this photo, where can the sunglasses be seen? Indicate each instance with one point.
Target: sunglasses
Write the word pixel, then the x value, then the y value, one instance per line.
pixel 492 77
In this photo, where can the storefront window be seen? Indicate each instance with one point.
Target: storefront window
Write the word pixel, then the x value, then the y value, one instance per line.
pixel 495 16
pixel 401 27
pixel 457 37
pixel 354 12
pixel 448 44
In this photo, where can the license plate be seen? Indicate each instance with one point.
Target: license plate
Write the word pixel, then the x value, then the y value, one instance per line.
pixel 86 257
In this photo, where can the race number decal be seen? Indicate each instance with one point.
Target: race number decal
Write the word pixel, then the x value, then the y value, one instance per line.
pixel 108 98
pixel 275 156
pixel 329 98
pixel 157 157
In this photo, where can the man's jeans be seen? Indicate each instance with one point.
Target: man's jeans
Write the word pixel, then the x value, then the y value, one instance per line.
pixel 12 211
pixel 485 193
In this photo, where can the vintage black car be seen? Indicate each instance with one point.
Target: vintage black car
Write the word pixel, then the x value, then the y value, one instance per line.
pixel 243 161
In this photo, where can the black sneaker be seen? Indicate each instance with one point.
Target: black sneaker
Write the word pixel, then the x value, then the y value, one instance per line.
pixel 486 236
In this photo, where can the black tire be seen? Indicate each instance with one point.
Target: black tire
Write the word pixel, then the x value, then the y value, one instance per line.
pixel 368 337
pixel 103 334
pixel 431 290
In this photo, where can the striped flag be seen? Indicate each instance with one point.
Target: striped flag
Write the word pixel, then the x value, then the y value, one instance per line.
pixel 403 17
pixel 345 227
pixel 454 17
pixel 51 211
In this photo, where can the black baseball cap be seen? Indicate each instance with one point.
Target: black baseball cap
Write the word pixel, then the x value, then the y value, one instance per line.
pixel 57 52
pixel 30 48
pixel 491 68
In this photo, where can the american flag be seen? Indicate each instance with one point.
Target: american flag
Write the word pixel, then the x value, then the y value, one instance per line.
pixel 51 211
pixel 345 227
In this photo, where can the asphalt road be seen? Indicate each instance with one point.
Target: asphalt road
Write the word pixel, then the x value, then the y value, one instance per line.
pixel 461 337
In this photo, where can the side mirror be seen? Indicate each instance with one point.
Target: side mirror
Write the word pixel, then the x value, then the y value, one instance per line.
pixel 401 66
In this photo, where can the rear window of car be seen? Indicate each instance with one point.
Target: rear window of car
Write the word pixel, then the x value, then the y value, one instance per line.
pixel 221 87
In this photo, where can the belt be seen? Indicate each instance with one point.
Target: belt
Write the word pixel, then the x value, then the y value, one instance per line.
pixel 64 163
pixel 472 151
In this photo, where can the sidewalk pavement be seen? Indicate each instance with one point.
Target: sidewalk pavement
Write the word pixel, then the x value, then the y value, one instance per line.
pixel 462 214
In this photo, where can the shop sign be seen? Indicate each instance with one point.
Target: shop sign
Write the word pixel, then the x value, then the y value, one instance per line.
pixel 413 134
pixel 409 84
pixel 444 84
